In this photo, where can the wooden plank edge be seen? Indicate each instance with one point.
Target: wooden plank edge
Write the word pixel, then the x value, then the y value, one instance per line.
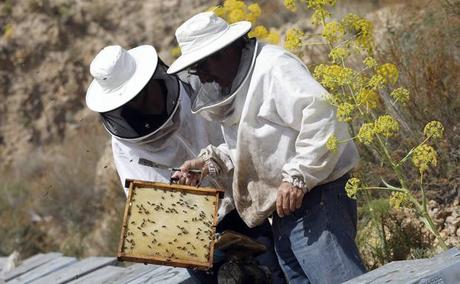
pixel 165 261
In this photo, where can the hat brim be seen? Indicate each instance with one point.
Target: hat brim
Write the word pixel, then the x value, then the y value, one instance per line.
pixel 100 100
pixel 234 32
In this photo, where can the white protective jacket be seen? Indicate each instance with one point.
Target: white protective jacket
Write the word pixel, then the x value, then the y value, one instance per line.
pixel 193 134
pixel 279 135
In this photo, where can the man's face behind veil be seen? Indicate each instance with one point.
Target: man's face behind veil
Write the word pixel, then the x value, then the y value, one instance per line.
pixel 150 99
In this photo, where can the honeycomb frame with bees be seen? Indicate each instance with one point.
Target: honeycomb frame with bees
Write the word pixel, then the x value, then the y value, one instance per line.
pixel 169 224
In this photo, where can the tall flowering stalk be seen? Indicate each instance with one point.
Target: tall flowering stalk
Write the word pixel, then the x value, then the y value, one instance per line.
pixel 357 94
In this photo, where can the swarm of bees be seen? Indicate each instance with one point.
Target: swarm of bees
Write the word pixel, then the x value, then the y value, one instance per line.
pixel 174 226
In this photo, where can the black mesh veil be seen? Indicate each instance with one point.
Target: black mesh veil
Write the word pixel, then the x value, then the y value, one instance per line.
pixel 149 110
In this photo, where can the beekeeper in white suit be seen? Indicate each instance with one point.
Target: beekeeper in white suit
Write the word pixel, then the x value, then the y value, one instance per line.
pixel 147 113
pixel 275 123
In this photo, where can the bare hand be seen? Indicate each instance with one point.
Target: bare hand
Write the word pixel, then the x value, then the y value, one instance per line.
pixel 289 199
pixel 188 178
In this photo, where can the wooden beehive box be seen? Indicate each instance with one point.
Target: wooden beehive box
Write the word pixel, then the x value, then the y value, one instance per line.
pixel 169 224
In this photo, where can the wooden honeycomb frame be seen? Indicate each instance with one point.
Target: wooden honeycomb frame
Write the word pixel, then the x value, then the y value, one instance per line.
pixel 169 224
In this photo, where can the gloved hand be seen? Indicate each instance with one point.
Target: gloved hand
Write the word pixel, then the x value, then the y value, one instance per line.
pixel 289 198
pixel 188 178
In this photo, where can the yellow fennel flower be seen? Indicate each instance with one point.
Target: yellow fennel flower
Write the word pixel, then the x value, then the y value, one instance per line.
pixel 376 82
pixel 352 187
pixel 400 95
pixel 258 32
pixel 293 40
pixel 361 28
pixel 339 53
pixel 331 143
pixel 424 156
pixel 234 4
pixel 368 98
pixel 389 72
pixel 370 62
pixel 386 125
pixel 255 9
pixel 434 129
pixel 398 199
pixel 320 3
pixel 333 76
pixel 366 133
pixel 333 31
pixel 290 5
pixel 176 52
pixel 219 11
pixel 318 15
pixel 344 112
pixel 273 38
pixel 236 15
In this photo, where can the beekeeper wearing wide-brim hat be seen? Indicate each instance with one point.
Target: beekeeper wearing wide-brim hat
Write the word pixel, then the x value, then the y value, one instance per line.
pixel 276 123
pixel 147 113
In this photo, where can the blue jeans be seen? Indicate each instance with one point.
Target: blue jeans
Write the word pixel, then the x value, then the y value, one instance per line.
pixel 316 244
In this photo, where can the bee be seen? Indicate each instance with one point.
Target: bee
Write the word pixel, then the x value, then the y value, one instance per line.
pixel 149 246
pixel 163 226
pixel 156 231
pixel 170 243
pixel 132 222
pixel 175 240
pixel 206 199
pixel 144 234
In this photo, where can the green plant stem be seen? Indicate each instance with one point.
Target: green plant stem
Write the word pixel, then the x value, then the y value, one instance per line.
pixel 433 228
pixel 410 152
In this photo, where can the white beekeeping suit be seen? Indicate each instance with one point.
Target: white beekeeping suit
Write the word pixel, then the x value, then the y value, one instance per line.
pixel 147 113
pixel 278 132
pixel 193 134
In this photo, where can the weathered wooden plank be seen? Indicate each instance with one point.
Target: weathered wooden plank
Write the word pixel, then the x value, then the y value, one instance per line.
pixel 100 276
pixel 29 264
pixel 3 261
pixel 441 269
pixel 131 272
pixel 76 270
pixel 162 274
pixel 43 270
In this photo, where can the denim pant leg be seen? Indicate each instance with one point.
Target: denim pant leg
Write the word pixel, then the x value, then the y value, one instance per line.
pixel 321 235
pixel 287 260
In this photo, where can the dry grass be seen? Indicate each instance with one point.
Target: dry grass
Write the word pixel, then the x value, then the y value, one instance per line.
pixel 50 201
